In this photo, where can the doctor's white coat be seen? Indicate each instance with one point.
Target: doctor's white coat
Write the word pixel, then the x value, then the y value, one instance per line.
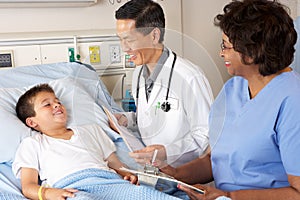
pixel 184 129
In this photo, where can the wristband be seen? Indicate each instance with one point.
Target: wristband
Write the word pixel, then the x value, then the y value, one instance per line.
pixel 40 193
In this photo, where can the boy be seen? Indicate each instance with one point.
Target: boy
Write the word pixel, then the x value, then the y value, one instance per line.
pixel 59 151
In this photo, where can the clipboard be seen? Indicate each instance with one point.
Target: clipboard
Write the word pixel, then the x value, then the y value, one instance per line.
pixel 132 142
pixel 151 179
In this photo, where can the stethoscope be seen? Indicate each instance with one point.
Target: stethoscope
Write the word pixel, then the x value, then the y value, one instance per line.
pixel 165 106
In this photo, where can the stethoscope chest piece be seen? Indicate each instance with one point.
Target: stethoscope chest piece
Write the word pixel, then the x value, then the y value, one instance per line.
pixel 166 106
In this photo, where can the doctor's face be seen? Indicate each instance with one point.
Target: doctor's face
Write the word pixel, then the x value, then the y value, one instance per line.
pixel 140 47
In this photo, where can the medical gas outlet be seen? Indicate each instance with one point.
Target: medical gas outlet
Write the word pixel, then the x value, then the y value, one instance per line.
pixel 94 52
pixel 73 56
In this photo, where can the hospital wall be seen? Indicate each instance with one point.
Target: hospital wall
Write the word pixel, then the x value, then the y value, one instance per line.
pixel 190 29
pixel 201 41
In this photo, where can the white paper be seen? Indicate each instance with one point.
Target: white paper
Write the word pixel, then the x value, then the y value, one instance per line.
pixel 132 142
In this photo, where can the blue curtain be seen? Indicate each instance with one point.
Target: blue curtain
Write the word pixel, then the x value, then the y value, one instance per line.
pixel 296 64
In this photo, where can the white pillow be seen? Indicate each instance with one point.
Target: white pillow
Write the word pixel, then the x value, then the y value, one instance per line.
pixel 12 131
pixel 81 106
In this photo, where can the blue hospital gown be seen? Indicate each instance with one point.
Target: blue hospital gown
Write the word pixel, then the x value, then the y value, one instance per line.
pixel 256 142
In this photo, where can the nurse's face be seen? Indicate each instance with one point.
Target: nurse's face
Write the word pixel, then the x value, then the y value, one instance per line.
pixel 232 58
pixel 140 47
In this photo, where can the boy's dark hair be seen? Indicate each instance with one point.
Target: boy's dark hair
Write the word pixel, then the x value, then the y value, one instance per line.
pixel 147 15
pixel 25 106
pixel 261 30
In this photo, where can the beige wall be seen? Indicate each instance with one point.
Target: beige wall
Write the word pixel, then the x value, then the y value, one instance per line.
pixel 201 41
pixel 16 22
pixel 193 18
pixel 99 16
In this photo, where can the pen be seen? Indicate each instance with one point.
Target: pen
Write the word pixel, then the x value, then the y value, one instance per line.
pixel 154 156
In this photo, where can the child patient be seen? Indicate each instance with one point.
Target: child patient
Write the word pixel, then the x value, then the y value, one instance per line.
pixel 59 150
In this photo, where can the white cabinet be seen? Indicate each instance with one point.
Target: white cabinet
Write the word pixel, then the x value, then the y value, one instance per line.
pixel 26 55
pixel 38 54
pixel 53 47
pixel 54 53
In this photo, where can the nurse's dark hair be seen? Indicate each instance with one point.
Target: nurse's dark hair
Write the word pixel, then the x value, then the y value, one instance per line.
pixel 261 30
pixel 147 15
pixel 25 104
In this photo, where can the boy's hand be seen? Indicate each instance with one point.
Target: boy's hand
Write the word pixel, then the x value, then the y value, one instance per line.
pixel 132 178
pixel 59 194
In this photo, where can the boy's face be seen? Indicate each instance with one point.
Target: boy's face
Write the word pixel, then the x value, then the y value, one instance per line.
pixel 50 113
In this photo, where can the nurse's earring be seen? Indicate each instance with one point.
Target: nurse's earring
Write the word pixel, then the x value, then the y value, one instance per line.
pixel 166 106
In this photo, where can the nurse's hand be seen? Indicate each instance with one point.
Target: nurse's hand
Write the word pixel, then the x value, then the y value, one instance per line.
pixel 122 119
pixel 210 193
pixel 145 155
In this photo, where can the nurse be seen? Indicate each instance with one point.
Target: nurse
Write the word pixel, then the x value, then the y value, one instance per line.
pixel 172 95
pixel 255 120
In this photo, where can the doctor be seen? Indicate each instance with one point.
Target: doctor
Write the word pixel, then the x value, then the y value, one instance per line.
pixel 172 95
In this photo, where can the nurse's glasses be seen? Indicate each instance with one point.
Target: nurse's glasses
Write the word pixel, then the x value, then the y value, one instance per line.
pixel 223 47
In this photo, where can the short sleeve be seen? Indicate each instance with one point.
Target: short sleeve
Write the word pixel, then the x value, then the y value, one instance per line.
pixel 288 134
pixel 108 147
pixel 26 156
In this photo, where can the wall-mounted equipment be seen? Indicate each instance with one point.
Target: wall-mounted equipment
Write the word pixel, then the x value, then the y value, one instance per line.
pixel 6 59
pixel 45 3
pixel 94 52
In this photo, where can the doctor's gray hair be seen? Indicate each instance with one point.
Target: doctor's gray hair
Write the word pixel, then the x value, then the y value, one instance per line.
pixel 147 15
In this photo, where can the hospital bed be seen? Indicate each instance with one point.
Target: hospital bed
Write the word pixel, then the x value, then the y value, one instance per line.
pixel 78 87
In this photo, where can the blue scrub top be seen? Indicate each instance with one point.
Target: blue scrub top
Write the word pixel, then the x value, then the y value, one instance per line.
pixel 256 142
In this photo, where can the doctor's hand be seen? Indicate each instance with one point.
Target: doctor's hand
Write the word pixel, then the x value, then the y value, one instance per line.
pixel 145 155
pixel 122 119
pixel 210 193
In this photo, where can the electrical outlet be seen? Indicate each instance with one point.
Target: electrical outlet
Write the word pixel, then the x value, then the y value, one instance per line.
pixel 94 54
pixel 115 53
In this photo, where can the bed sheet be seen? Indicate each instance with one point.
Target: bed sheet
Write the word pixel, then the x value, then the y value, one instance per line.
pixel 9 186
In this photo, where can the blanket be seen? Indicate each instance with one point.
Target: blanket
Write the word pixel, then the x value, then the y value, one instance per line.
pixel 11 196
pixel 96 184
